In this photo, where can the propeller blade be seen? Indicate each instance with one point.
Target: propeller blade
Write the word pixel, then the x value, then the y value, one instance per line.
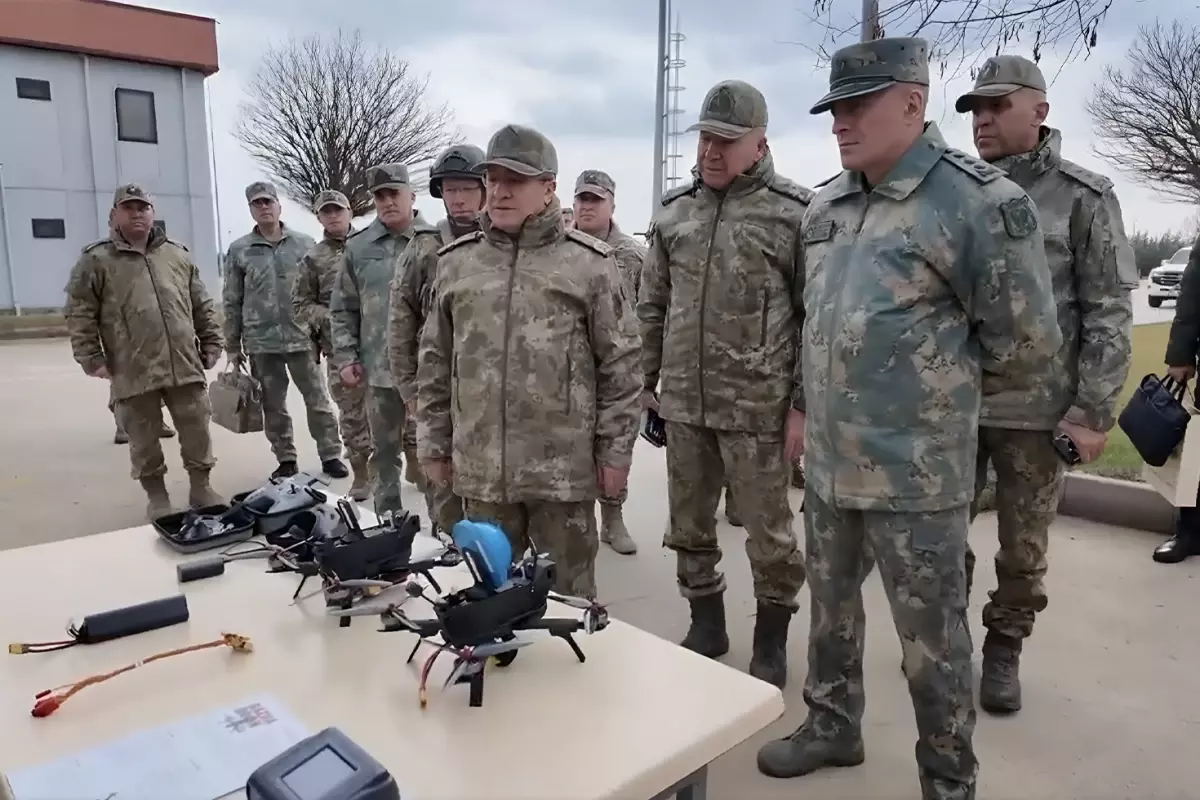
pixel 496 648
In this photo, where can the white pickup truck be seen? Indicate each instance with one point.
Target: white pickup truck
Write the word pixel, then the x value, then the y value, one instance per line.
pixel 1164 279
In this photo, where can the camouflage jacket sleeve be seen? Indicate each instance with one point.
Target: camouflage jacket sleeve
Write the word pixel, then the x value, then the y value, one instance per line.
pixel 407 310
pixel 306 294
pixel 1105 278
pixel 82 312
pixel 653 297
pixel 232 296
pixel 631 259
pixel 344 319
pixel 435 426
pixel 617 347
pixel 1183 346
pixel 798 312
pixel 1010 296
pixel 204 317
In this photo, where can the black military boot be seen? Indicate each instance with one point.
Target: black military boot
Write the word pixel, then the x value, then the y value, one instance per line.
pixel 804 752
pixel 731 510
pixel 286 469
pixel 706 635
pixel 335 468
pixel 769 662
pixel 1000 685
pixel 1186 540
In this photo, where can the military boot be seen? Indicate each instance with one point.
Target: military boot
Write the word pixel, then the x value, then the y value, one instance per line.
pixel 286 469
pixel 200 491
pixel 1186 539
pixel 613 531
pixel 120 436
pixel 360 489
pixel 804 752
pixel 159 504
pixel 769 661
pixel 706 635
pixel 731 510
pixel 166 431
pixel 1000 686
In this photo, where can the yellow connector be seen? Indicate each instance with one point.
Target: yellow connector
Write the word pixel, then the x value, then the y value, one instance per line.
pixel 17 649
pixel 239 643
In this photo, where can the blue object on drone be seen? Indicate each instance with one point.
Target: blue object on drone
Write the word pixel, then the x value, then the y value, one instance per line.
pixel 488 547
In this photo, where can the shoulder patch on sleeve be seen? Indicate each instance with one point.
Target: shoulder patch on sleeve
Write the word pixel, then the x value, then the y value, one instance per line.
pixel 473 236
pixel 978 169
pixel 1092 180
pixel 1020 217
pixel 90 247
pixel 829 180
pixel 790 189
pixel 679 191
pixel 590 242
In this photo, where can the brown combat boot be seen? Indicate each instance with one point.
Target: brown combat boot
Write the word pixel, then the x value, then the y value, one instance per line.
pixel 613 531
pixel 159 504
pixel 200 493
pixel 731 510
pixel 360 489
pixel 1000 684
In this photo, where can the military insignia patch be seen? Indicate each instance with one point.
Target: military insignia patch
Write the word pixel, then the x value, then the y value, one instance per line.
pixel 1020 217
pixel 819 232
pixel 721 104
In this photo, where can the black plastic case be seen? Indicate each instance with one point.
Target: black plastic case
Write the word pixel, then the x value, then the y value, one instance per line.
pixel 168 529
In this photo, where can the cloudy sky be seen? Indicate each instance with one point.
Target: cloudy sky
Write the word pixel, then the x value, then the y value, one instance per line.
pixel 583 73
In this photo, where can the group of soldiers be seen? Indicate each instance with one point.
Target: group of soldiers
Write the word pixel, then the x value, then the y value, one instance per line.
pixel 922 316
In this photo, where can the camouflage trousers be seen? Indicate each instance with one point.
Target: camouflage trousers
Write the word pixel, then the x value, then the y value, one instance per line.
pixel 920 556
pixel 386 410
pixel 1029 483
pixel 699 461
pixel 444 507
pixel 271 370
pixel 142 416
pixel 353 419
pixel 566 531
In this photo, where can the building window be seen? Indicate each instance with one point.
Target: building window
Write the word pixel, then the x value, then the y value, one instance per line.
pixel 160 226
pixel 136 118
pixel 33 89
pixel 49 229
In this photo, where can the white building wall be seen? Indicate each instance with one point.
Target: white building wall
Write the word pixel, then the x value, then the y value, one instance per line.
pixel 61 160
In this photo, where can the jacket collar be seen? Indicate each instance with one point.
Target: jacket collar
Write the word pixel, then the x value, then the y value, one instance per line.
pixel 543 228
pixel 906 174
pixel 1045 156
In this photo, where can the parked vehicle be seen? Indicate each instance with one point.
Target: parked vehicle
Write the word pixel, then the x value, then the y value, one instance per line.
pixel 1164 279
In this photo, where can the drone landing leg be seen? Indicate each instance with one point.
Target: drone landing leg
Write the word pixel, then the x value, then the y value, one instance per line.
pixel 432 582
pixel 574 647
pixel 414 651
pixel 303 580
pixel 476 688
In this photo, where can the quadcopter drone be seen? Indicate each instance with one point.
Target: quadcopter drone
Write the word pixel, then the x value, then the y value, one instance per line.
pixel 483 621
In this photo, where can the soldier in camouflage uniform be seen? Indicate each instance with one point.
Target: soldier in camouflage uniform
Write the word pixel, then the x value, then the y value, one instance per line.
pixel 360 320
pixel 456 178
pixel 924 271
pixel 528 381
pixel 595 196
pixel 311 295
pixel 1093 269
pixel 720 309
pixel 260 272
pixel 140 317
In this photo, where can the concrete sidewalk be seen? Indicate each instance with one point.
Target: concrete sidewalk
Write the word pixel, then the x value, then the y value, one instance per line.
pixel 1111 709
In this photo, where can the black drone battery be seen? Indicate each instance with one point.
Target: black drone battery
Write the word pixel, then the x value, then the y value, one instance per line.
pixel 200 569
pixel 132 620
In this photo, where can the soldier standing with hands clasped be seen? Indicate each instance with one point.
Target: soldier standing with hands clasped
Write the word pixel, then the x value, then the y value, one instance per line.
pixel 311 295
pixel 925 271
pixel 1093 271
pixel 260 274
pixel 721 307
pixel 140 317
pixel 528 384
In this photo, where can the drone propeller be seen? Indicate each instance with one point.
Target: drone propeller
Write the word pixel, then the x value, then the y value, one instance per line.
pixel 580 603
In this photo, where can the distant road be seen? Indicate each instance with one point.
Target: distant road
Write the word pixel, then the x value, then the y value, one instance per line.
pixel 1143 314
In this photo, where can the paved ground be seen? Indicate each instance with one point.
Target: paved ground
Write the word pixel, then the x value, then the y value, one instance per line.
pixel 1111 707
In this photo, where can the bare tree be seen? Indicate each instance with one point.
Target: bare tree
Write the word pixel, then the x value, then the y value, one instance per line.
pixel 321 111
pixel 963 32
pixel 1147 113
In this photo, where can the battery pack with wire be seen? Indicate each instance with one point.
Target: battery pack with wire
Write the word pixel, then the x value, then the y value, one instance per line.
pixel 115 624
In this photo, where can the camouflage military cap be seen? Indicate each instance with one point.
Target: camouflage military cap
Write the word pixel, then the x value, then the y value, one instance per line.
pixel 1000 76
pixel 731 109
pixel 330 197
pixel 523 150
pixel 131 192
pixel 387 176
pixel 593 181
pixel 261 190
pixel 868 67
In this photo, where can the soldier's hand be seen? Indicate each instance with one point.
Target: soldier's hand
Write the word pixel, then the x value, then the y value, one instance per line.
pixel 650 401
pixel 352 374
pixel 1182 374
pixel 793 435
pixel 1088 442
pixel 611 480
pixel 439 472
pixel 101 372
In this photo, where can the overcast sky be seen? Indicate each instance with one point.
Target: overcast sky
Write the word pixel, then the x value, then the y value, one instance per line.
pixel 584 76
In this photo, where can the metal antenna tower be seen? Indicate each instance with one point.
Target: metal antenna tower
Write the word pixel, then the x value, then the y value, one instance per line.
pixel 674 64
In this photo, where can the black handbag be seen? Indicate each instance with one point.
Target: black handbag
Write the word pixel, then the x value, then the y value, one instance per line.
pixel 1155 419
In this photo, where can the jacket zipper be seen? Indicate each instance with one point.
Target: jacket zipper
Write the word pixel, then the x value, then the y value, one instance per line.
pixel 512 280
pixel 163 314
pixel 712 237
